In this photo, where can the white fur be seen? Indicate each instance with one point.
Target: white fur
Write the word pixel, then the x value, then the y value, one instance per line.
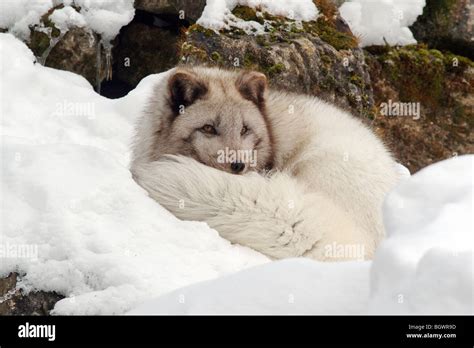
pixel 331 176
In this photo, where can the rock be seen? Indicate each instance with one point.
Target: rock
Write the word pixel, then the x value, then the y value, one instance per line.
pixel 191 10
pixel 442 84
pixel 81 52
pixel 15 302
pixel 141 50
pixel 447 24
pixel 320 57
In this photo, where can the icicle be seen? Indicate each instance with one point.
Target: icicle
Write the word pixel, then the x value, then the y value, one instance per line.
pixel 99 67
pixel 107 47
pixel 108 63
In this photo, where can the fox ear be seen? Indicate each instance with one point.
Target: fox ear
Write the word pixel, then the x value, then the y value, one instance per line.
pixel 251 86
pixel 184 88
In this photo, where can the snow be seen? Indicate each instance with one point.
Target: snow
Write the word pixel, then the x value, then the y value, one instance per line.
pixel 292 286
pixel 18 15
pixel 67 17
pixel 423 267
pixel 218 15
pixel 91 233
pixel 66 190
pixel 372 20
pixel 105 17
pixel 377 20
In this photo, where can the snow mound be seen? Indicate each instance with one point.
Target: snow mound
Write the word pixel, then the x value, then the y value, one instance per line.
pixel 218 15
pixel 292 286
pixel 425 266
pixel 75 221
pixel 376 21
pixel 104 17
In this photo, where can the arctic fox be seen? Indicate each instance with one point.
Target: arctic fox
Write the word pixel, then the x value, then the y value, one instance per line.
pixel 311 184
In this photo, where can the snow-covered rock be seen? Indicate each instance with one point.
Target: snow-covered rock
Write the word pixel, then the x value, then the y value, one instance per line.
pixel 103 17
pixel 18 15
pixel 218 15
pixel 377 22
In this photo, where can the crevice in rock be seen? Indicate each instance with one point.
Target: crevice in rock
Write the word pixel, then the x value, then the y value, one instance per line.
pixel 147 45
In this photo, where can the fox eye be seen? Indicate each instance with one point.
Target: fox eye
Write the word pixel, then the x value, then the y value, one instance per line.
pixel 208 129
pixel 244 130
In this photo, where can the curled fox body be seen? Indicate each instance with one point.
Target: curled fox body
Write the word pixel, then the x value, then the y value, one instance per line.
pixel 313 178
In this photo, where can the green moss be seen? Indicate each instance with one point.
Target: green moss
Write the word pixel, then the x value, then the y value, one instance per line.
pixel 249 60
pixel 326 60
pixel 216 57
pixel 196 28
pixel 262 40
pixel 328 33
pixel 39 42
pixel 357 80
pixel 48 23
pixel 328 83
pixel 437 54
pixel 419 73
pixel 455 63
pixel 439 9
pixel 247 14
pixel 188 49
pixel 293 28
pixel 274 69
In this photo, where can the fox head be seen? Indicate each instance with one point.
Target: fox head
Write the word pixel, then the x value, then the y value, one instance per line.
pixel 216 117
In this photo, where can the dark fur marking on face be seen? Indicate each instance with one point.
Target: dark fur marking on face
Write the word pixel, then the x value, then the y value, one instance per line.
pixel 252 86
pixel 184 88
pixel 217 122
pixel 270 163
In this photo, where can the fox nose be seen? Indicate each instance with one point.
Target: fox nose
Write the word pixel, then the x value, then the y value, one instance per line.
pixel 237 167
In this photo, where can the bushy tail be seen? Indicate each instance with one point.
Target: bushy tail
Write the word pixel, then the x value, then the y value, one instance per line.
pixel 271 214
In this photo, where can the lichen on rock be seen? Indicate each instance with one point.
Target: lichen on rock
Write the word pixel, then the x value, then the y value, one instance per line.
pixel 318 57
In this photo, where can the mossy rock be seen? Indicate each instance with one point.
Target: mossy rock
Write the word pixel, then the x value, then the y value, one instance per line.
pixel 329 26
pixel 419 73
pixel 41 34
pixel 447 25
pixel 247 14
pixel 444 92
pixel 309 57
